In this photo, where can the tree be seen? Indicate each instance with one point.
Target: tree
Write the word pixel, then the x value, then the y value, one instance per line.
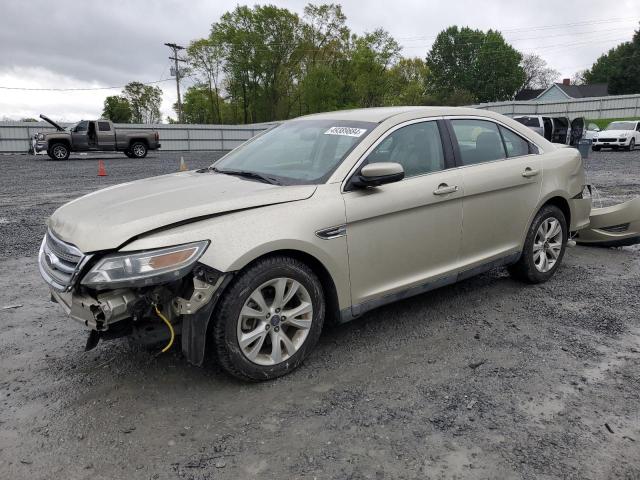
pixel 206 58
pixel 29 119
pixel 262 55
pixel 537 74
pixel 408 83
pixel 373 55
pixel 619 67
pixel 483 64
pixel 117 109
pixel 145 101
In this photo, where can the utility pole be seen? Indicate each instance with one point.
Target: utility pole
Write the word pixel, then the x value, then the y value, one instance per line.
pixel 175 58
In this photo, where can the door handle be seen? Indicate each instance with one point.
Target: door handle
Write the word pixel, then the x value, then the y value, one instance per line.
pixel 528 172
pixel 444 189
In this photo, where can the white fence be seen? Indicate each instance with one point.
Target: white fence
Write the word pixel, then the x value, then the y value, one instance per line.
pixel 615 106
pixel 15 137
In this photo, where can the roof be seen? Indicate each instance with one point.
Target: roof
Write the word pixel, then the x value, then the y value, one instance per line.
pixel 380 114
pixel 584 91
pixel 529 93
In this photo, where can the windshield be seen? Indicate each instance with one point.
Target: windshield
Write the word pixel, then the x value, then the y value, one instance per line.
pixel 298 151
pixel 621 126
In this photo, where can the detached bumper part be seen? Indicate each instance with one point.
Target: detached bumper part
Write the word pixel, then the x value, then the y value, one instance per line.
pixel 97 312
pixel 614 226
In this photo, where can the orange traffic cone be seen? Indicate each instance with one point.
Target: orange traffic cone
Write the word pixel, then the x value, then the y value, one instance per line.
pixel 101 171
pixel 183 166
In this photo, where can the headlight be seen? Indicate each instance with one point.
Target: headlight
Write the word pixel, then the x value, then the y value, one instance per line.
pixel 139 269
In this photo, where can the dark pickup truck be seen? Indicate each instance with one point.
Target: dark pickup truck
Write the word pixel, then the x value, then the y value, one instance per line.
pixel 95 136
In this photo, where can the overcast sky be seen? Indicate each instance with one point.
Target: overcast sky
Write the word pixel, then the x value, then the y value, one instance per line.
pixel 72 44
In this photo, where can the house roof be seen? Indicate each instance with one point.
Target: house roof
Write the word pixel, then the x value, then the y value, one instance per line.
pixel 585 91
pixel 529 93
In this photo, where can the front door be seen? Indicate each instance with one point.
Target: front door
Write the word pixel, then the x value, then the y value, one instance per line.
pixel 502 175
pixel 79 138
pixel 405 234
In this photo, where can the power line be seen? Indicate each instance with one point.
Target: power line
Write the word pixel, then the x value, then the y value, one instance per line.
pixel 80 89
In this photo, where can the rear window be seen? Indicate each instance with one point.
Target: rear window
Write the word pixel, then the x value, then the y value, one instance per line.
pixel 104 126
pixel 478 141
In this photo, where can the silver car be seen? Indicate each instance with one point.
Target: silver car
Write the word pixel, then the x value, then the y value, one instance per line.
pixel 320 219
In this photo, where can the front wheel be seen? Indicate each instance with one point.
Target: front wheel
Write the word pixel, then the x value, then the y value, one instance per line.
pixel 269 319
pixel 544 246
pixel 58 151
pixel 595 149
pixel 129 153
pixel 139 150
pixel 632 144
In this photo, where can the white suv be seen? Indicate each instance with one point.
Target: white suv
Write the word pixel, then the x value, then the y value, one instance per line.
pixel 625 135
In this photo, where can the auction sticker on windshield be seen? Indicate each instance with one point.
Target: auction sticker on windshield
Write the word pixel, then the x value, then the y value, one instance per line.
pixel 347 131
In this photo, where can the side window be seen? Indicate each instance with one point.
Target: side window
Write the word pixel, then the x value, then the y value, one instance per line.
pixel 82 126
pixel 478 141
pixel 638 127
pixel 516 145
pixel 104 127
pixel 417 147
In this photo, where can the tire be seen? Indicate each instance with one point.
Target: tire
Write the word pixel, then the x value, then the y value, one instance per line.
pixel 531 269
pixel 58 151
pixel 129 153
pixel 138 150
pixel 632 145
pixel 595 149
pixel 256 360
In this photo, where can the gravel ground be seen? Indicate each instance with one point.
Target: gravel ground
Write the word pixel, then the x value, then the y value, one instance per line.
pixel 488 378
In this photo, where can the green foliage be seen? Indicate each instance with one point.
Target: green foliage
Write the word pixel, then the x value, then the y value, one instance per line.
pixel 620 67
pixel 145 101
pixel 29 119
pixel 117 109
pixel 603 122
pixel 482 64
pixel 265 63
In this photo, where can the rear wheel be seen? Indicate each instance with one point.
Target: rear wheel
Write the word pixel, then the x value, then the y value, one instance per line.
pixel 58 151
pixel 139 150
pixel 544 246
pixel 269 319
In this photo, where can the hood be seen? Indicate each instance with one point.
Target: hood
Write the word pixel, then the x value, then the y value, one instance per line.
pixel 48 120
pixel 108 218
pixel 613 133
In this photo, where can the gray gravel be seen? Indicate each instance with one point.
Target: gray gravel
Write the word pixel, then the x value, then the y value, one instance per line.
pixel 488 378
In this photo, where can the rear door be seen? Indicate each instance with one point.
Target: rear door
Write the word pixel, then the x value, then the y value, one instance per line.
pixel 106 136
pixel 501 173
pixel 404 234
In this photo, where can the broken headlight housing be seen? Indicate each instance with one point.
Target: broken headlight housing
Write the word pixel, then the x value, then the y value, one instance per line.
pixel 141 269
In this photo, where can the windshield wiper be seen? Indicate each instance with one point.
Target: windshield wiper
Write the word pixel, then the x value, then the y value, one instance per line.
pixel 248 174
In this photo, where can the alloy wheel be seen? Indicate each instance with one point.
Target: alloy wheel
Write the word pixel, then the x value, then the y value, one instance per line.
pixel 138 150
pixel 274 321
pixel 547 244
pixel 59 152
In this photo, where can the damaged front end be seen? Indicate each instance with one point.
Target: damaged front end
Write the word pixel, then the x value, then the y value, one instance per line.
pixel 118 294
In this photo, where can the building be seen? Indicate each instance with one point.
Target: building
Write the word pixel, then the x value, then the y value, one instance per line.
pixel 564 91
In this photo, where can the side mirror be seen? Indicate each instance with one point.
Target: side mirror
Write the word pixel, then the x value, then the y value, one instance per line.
pixel 376 174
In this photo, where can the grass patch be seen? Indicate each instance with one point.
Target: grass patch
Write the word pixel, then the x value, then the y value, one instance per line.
pixel 603 122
